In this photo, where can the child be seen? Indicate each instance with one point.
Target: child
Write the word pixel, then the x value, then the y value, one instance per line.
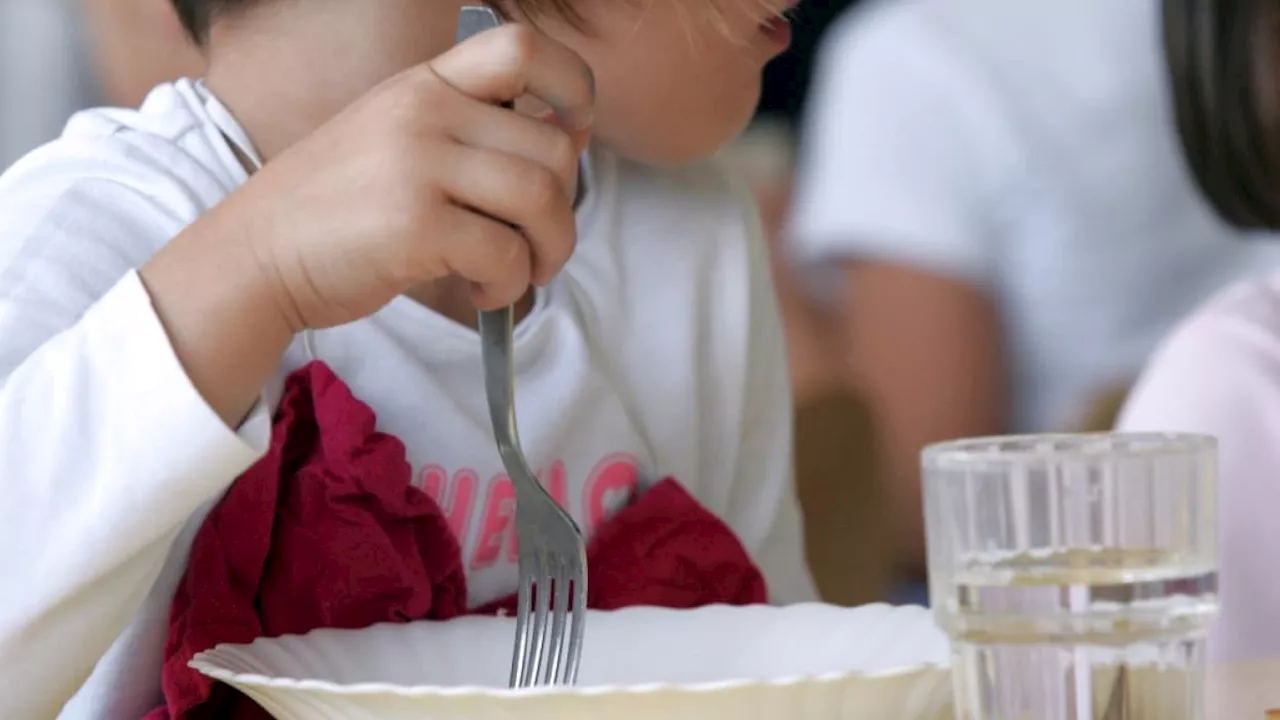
pixel 1218 373
pixel 344 187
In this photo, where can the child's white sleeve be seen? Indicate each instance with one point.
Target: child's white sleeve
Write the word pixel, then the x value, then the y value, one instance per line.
pixel 764 507
pixel 106 448
pixel 1219 374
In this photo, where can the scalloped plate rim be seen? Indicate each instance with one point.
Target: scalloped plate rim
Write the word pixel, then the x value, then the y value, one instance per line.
pixel 203 663
pixel 465 691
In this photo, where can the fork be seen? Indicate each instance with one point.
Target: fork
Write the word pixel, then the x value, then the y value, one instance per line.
pixel 552 554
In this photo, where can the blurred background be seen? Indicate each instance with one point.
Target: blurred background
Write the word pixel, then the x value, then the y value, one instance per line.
pixel 980 220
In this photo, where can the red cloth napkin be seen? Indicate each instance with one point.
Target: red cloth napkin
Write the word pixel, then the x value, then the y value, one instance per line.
pixel 327 531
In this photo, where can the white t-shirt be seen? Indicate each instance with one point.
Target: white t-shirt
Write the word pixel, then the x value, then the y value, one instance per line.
pixel 657 352
pixel 1026 148
pixel 1219 374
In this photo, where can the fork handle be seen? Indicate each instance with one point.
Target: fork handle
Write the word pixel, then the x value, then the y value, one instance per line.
pixel 496 330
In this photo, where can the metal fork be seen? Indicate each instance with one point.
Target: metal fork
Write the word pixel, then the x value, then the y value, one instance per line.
pixel 553 556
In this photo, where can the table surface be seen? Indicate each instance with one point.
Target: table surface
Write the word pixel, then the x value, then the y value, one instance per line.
pixel 1244 690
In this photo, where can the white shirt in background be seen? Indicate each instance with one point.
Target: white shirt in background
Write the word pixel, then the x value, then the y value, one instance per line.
pixel 1219 374
pixel 657 352
pixel 1026 148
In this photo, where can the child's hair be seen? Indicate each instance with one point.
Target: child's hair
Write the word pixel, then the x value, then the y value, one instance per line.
pixel 196 15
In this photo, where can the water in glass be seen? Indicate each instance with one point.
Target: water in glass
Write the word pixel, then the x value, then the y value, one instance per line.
pixel 1076 575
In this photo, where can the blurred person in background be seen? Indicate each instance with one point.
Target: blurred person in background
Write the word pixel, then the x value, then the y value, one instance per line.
pixel 765 153
pixel 845 527
pixel 1219 372
pixel 60 56
pixel 44 72
pixel 992 201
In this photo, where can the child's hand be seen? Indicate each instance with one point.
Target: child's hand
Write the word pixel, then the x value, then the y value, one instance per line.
pixel 423 178
pixel 426 177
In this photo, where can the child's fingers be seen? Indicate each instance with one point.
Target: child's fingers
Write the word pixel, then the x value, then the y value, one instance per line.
pixel 539 142
pixel 506 63
pixel 493 256
pixel 581 137
pixel 516 191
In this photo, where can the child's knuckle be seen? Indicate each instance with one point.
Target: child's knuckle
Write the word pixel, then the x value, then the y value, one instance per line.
pixel 543 190
pixel 519 46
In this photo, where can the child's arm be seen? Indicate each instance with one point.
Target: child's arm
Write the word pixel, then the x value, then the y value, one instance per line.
pixel 118 388
pixel 764 508
pixel 106 447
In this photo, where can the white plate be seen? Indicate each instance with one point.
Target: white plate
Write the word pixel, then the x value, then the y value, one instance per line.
pixel 804 662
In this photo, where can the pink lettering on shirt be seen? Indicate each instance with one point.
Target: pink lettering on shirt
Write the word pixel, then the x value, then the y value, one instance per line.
pixel 609 487
pixel 499 514
pixel 457 501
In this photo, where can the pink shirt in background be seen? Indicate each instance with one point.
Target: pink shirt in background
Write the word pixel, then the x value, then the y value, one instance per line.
pixel 1219 374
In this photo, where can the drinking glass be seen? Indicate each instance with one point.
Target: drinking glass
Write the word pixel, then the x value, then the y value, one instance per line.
pixel 1075 574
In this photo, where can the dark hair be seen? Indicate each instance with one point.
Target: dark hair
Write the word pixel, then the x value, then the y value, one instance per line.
pixel 1222 61
pixel 197 15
